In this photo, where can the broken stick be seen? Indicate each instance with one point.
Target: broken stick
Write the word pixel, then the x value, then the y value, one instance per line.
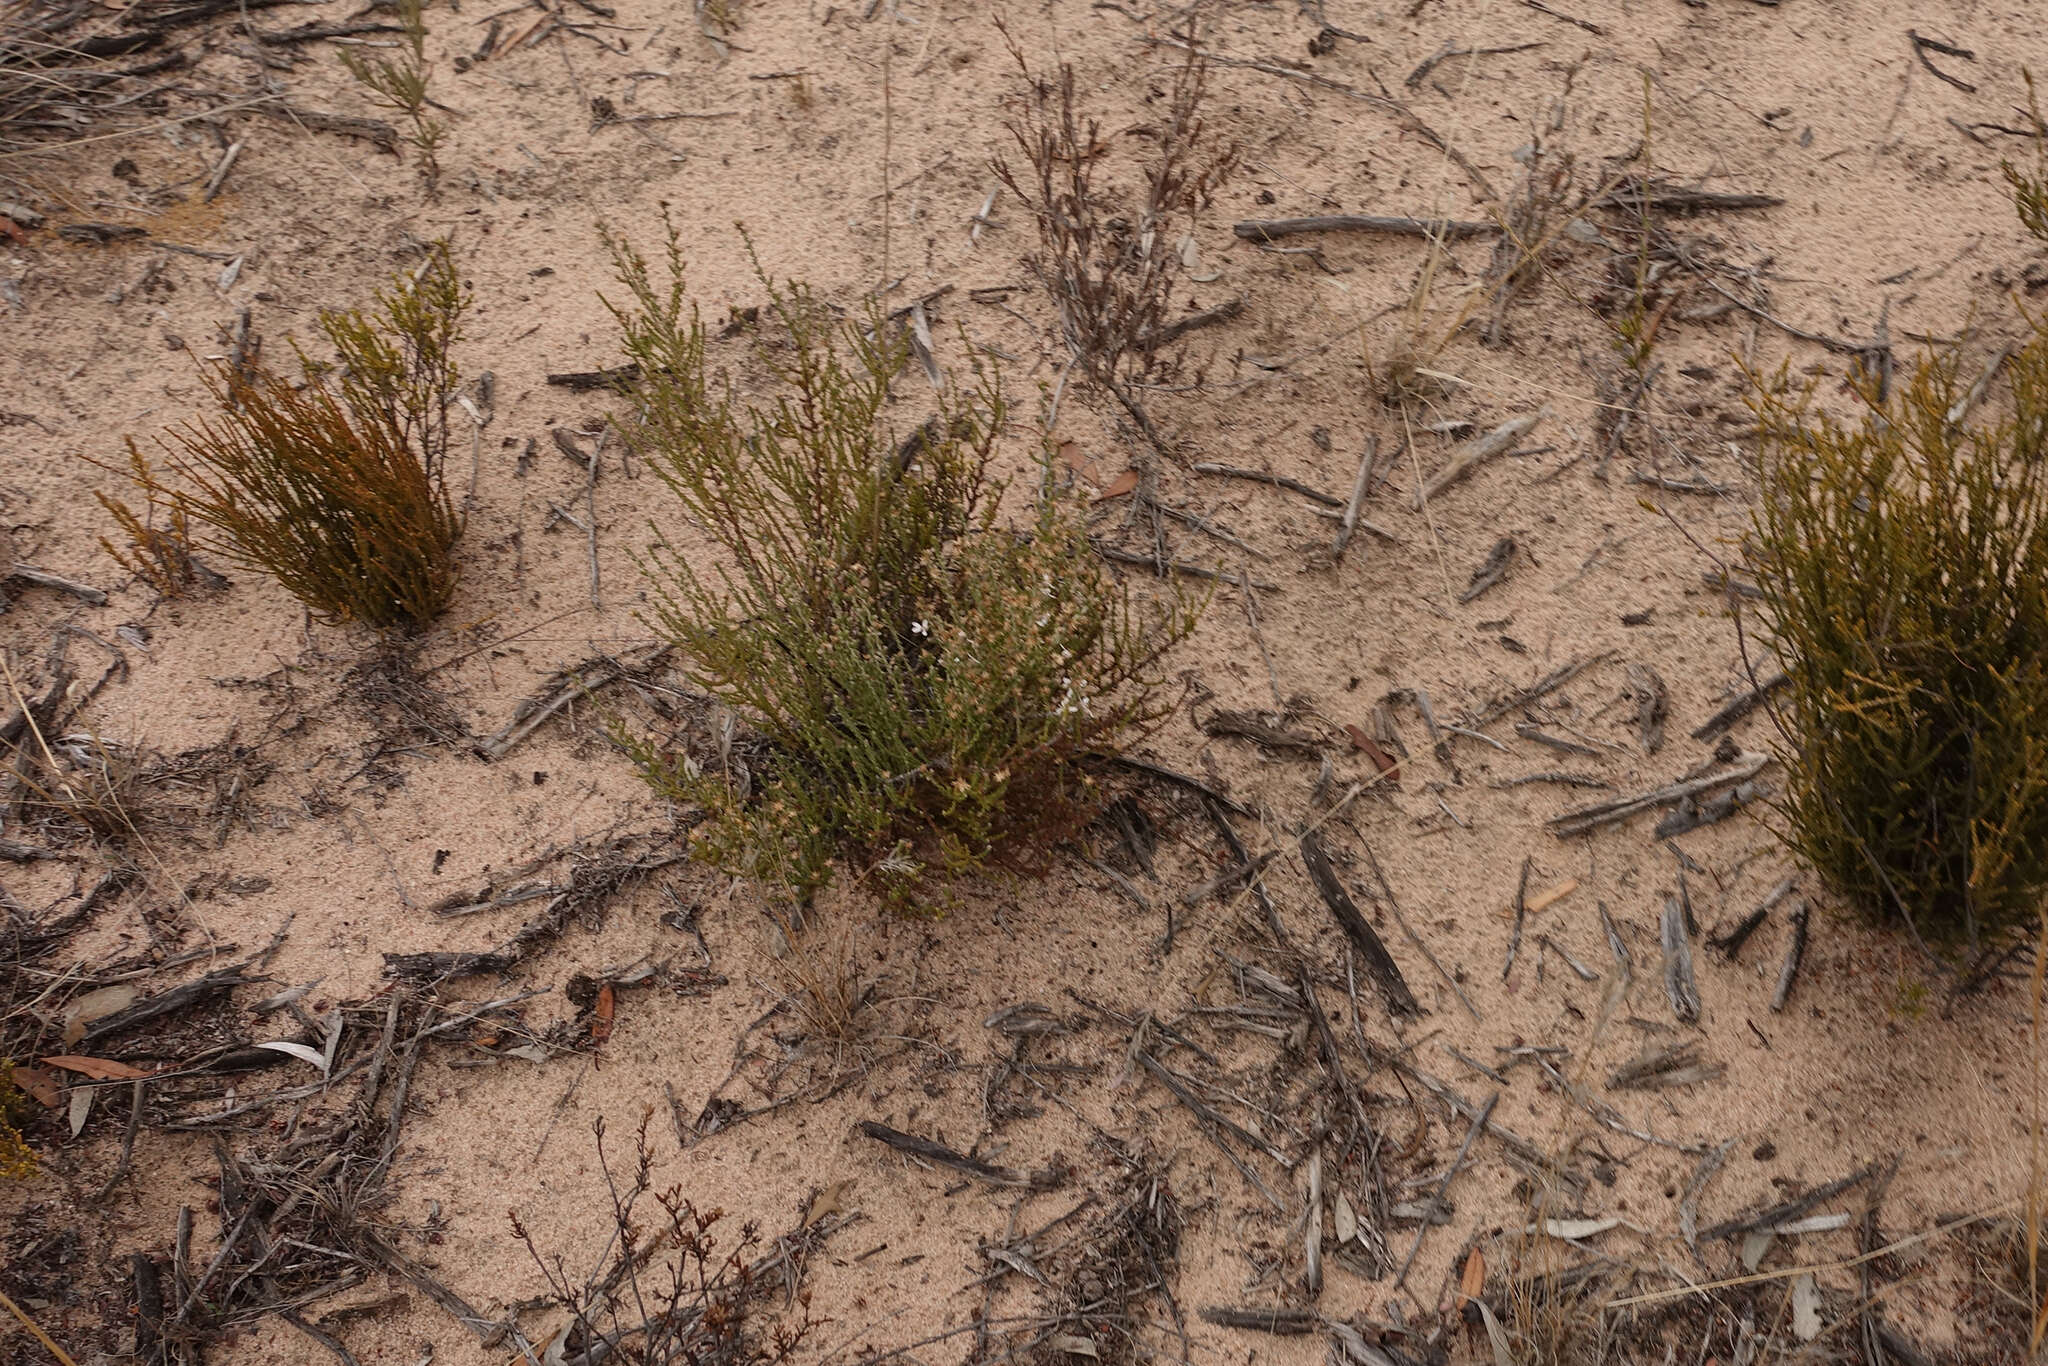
pixel 1589 818
pixel 1266 229
pixel 1478 451
pixel 1678 979
pixel 1400 1001
pixel 942 1155
pixel 1794 952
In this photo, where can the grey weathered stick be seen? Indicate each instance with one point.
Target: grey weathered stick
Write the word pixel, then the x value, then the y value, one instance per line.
pixel 1208 317
pixel 1208 1114
pixel 1314 495
pixel 1738 708
pixel 220 172
pixel 1678 979
pixel 1680 199
pixel 1180 779
pixel 1791 1209
pixel 1266 229
pixel 942 1155
pixel 1378 961
pixel 1691 815
pixel 1974 395
pixel 1464 1149
pixel 1579 970
pixel 590 501
pixel 1677 1065
pixel 1585 818
pixel 1558 743
pixel 566 686
pixel 1795 951
pixel 1359 485
pixel 1394 908
pixel 1364 522
pixel 43 578
pixel 1228 879
pixel 1214 1126
pixel 1312 1238
pixel 1731 943
pixel 1541 688
pixel 1282 1322
pixel 1478 451
pixel 374 131
pixel 1521 915
pixel 1195 571
pixel 1557 776
pixel 1689 1203
pixel 1616 945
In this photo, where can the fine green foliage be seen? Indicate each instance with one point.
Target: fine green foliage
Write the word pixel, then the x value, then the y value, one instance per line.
pixel 16 1160
pixel 335 486
pixel 157 545
pixel 401 84
pixel 926 671
pixel 1903 559
pixel 2030 192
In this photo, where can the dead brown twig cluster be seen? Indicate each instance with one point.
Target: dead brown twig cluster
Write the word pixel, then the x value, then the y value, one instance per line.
pixel 667 1291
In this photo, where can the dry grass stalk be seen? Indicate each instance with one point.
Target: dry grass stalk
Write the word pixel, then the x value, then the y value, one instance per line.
pixel 58 81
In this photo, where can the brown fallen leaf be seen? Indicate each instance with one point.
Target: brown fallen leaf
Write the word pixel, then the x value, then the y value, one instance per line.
pixel 607 1003
pixel 833 1199
pixel 1386 763
pixel 1119 486
pixel 1474 1278
pixel 99 1069
pixel 94 1006
pixel 41 1085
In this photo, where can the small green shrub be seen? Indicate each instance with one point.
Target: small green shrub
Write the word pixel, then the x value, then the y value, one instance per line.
pixel 401 85
pixel 334 483
pixel 2030 192
pixel 926 673
pixel 158 540
pixel 1903 559
pixel 17 1160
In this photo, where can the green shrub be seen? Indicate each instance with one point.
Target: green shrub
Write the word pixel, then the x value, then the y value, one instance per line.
pixel 1903 558
pixel 2030 192
pixel 400 84
pixel 158 548
pixel 17 1160
pixel 925 670
pixel 334 483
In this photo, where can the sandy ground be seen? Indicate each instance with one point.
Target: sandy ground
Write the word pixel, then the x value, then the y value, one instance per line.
pixel 1892 219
